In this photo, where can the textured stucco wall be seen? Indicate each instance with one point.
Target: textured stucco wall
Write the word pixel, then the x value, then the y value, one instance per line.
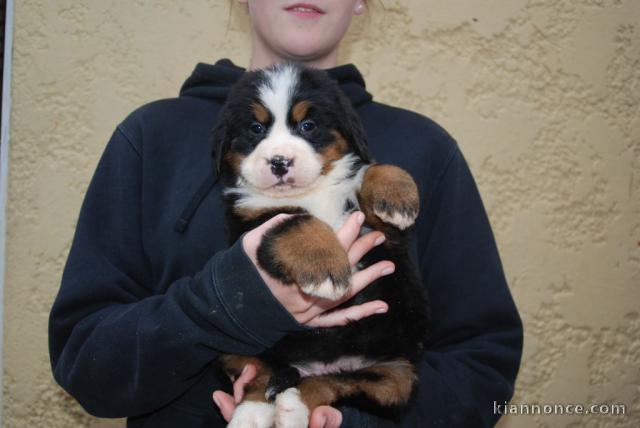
pixel 543 96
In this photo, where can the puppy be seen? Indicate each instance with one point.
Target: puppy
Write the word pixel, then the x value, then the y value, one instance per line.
pixel 289 141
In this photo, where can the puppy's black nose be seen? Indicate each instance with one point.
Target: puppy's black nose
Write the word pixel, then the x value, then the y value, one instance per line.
pixel 280 165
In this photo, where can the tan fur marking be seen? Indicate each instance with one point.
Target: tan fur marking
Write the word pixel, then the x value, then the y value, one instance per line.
pixel 299 111
pixel 333 151
pixel 322 390
pixel 393 388
pixel 311 252
pixel 388 189
pixel 260 113
pixel 255 390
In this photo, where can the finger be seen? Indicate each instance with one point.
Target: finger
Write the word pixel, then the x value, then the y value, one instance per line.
pixel 359 281
pixel 350 314
pixel 225 403
pixel 248 373
pixel 362 278
pixel 350 230
pixel 325 417
pixel 274 221
pixel 363 245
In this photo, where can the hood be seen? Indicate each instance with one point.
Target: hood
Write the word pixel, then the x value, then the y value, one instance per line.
pixel 214 81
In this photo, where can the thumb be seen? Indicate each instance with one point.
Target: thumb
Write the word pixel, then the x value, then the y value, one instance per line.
pixel 225 403
pixel 253 238
pixel 325 417
pixel 273 221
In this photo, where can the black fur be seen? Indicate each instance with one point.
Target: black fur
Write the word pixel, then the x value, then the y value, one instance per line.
pixel 284 377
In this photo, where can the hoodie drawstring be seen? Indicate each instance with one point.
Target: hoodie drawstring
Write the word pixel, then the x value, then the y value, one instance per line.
pixel 204 189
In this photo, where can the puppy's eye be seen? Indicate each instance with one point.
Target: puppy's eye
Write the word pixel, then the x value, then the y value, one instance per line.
pixel 307 126
pixel 257 128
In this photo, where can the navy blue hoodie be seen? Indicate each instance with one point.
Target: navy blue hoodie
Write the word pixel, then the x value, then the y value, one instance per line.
pixel 151 295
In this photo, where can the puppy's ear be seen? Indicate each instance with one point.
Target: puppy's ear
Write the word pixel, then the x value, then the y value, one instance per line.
pixel 221 144
pixel 352 129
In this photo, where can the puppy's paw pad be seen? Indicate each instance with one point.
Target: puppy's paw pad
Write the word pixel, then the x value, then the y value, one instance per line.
pixel 291 412
pixel 253 414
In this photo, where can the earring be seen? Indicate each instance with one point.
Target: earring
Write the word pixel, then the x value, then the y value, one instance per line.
pixel 359 8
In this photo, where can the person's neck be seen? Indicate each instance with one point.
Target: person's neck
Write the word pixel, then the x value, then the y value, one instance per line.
pixel 261 58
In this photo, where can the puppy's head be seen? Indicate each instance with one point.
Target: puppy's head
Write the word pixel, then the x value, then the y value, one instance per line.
pixel 284 128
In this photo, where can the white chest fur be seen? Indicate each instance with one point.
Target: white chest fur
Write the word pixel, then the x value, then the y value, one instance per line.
pixel 342 364
pixel 326 199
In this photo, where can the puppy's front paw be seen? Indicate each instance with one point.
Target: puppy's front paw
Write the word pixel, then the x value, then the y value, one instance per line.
pixel 253 414
pixel 401 214
pixel 305 251
pixel 291 412
pixel 390 194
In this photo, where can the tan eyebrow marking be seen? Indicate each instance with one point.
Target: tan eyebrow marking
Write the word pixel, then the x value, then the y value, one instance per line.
pixel 260 112
pixel 299 111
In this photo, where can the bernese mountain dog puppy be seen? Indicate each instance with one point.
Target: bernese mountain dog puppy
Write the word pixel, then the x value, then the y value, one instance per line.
pixel 289 141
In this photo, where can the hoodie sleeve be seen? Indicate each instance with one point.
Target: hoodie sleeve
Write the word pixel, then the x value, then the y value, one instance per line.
pixel 118 347
pixel 474 350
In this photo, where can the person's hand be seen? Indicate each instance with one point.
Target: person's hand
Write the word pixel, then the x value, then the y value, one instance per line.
pixel 321 417
pixel 310 310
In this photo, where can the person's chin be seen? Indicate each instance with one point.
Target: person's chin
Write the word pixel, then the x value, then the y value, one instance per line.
pixel 307 48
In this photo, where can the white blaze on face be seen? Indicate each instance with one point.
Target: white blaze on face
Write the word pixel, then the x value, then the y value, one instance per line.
pixel 303 164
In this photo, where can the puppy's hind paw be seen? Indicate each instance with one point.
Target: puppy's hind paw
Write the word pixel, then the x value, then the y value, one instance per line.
pixel 291 412
pixel 253 414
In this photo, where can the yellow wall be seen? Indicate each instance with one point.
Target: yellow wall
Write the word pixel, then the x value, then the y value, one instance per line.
pixel 543 96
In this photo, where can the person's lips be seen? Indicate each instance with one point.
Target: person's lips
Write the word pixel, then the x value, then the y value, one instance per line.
pixel 305 10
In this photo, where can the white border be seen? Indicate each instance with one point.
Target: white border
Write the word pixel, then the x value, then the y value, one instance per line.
pixel 4 168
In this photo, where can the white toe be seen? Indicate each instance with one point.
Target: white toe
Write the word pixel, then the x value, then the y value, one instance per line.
pixel 399 220
pixel 325 290
pixel 253 414
pixel 291 412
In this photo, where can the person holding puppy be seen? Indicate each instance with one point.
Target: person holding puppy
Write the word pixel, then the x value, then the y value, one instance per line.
pixel 151 295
